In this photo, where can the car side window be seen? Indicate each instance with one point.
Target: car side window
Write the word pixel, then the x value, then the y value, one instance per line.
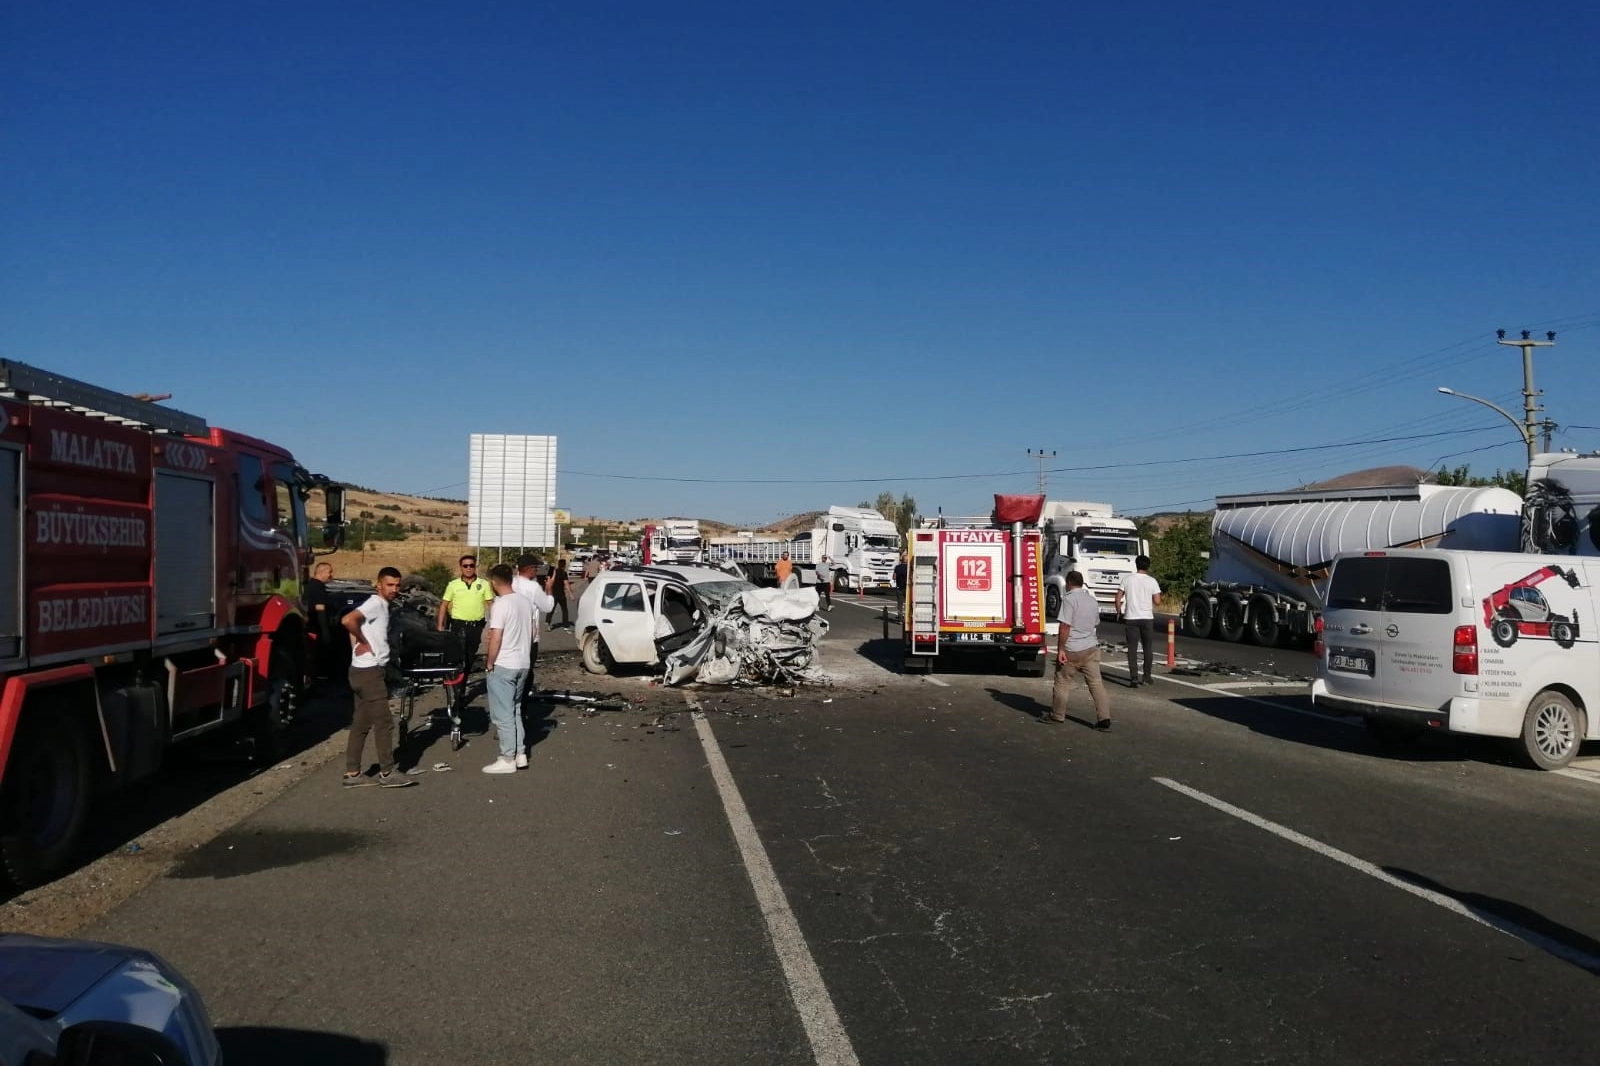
pixel 622 596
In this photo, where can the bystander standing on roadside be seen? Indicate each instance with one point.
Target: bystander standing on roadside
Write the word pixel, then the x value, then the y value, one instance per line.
pixel 536 591
pixel 900 575
pixel 506 667
pixel 465 607
pixel 1136 603
pixel 783 570
pixel 825 581
pixel 315 596
pixel 368 626
pixel 1078 654
pixel 558 593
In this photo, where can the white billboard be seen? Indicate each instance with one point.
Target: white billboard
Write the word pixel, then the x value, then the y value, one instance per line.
pixel 512 495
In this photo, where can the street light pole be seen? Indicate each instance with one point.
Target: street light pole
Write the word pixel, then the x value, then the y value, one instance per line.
pixel 1525 431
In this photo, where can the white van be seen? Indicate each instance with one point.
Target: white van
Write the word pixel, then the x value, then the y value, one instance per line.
pixel 1499 644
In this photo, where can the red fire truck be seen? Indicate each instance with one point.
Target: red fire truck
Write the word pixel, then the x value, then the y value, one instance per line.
pixel 975 584
pixel 154 567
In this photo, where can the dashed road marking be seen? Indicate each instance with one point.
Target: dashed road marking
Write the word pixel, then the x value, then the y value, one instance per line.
pixel 830 1044
pixel 935 681
pixel 1554 947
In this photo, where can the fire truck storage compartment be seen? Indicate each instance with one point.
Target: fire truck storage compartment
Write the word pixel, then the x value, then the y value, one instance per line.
pixel 10 554
pixel 185 546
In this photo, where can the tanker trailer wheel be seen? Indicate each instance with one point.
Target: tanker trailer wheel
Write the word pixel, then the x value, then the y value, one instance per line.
pixel 45 801
pixel 1264 628
pixel 595 657
pixel 1230 620
pixel 1504 632
pixel 1552 731
pixel 1198 614
pixel 1563 634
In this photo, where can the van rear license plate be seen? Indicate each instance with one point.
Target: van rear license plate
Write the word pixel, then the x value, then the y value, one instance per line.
pixel 1350 661
pixel 974 636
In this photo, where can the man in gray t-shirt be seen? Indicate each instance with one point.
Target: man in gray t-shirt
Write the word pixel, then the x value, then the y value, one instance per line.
pixel 1078 652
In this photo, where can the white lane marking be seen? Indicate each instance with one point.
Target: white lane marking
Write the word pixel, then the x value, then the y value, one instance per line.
pixel 1454 906
pixel 935 681
pixel 830 1044
pixel 1578 773
pixel 1229 686
pixel 1349 722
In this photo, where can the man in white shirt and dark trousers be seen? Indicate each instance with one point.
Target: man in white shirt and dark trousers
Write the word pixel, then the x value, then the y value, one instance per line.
pixel 1136 603
pixel 507 657
pixel 1078 653
pixel 368 626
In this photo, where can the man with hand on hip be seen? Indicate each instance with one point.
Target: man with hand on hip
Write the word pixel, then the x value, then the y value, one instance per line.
pixel 1078 654
pixel 506 662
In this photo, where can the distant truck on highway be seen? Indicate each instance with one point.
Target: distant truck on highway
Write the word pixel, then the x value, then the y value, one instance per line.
pixel 861 545
pixel 1091 539
pixel 1271 553
pixel 674 542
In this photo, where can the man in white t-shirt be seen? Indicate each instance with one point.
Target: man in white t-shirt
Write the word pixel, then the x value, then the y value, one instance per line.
pixel 507 659
pixel 1136 603
pixel 368 626
pixel 527 583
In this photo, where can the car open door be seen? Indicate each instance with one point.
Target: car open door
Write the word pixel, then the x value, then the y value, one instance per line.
pixel 625 619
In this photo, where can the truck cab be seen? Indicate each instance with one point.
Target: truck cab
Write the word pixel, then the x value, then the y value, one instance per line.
pixel 862 545
pixel 1088 538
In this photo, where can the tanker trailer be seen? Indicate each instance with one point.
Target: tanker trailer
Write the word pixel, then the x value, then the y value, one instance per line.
pixel 1271 552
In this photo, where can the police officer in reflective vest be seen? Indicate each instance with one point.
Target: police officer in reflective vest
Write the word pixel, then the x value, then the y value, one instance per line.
pixel 466 607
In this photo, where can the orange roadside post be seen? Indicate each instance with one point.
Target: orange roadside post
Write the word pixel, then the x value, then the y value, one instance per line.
pixel 1172 643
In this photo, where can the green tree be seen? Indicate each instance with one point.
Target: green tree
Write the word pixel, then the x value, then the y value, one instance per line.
pixel 437 574
pixel 1515 480
pixel 1178 557
pixel 905 514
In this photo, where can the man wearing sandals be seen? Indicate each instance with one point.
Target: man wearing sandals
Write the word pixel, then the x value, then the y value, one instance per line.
pixel 368 626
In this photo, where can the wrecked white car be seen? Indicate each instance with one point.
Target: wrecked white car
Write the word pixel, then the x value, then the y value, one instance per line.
pixel 696 623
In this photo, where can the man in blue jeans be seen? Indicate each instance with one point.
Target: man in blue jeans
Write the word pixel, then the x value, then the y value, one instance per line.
pixel 507 658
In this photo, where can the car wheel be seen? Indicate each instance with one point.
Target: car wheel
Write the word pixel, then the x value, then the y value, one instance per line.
pixel 596 659
pixel 1552 731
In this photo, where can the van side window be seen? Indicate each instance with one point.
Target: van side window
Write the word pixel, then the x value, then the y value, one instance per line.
pixel 622 596
pixel 1419 586
pixel 1357 584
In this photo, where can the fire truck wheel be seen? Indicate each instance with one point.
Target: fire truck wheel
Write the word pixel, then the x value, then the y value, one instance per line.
pixel 264 725
pixel 1562 634
pixel 1552 730
pixel 595 657
pixel 918 664
pixel 1197 615
pixel 46 798
pixel 1230 620
pixel 1033 667
pixel 1504 632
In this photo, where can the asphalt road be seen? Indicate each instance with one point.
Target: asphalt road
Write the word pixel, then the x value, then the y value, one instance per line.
pixel 926 875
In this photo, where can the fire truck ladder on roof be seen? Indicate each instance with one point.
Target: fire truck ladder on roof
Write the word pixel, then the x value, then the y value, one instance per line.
pixel 37 386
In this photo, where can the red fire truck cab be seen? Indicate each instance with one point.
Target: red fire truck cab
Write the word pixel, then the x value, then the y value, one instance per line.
pixel 975 584
pixel 151 569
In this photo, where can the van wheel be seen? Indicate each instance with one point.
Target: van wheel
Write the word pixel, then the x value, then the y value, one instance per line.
pixel 45 801
pixel 596 659
pixel 1230 620
pixel 1552 731
pixel 1264 628
pixel 1504 632
pixel 1198 615
pixel 1562 634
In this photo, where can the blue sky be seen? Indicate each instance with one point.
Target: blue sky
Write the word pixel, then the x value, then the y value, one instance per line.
pixel 772 246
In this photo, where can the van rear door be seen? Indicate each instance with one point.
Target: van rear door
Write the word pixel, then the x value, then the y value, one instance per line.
pixel 1417 632
pixel 1352 621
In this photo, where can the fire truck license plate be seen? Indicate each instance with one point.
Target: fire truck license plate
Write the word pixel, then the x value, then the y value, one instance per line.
pixel 974 636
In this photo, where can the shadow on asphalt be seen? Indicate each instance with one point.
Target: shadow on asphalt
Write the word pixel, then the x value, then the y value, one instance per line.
pixel 1581 950
pixel 1334 734
pixel 1034 708
pixel 977 662
pixel 259 1046
pixel 194 773
pixel 241 852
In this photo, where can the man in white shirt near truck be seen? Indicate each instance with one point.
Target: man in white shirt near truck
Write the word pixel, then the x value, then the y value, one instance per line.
pixel 368 627
pixel 507 658
pixel 1136 603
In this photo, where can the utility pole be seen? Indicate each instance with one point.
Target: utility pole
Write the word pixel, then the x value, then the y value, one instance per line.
pixel 1530 401
pixel 1041 455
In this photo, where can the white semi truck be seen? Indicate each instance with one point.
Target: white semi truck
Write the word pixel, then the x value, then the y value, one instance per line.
pixel 1562 511
pixel 673 541
pixel 1271 552
pixel 861 545
pixel 1091 539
